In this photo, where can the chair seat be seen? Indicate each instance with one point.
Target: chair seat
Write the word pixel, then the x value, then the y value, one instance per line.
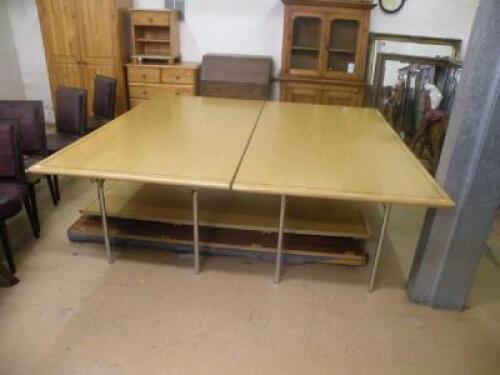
pixel 11 199
pixel 94 123
pixel 58 141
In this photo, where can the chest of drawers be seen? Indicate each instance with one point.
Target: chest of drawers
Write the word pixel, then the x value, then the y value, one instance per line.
pixel 147 81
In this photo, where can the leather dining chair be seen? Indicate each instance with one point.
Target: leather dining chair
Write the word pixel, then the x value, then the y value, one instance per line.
pixel 71 121
pixel 33 138
pixel 104 102
pixel 71 118
pixel 7 278
pixel 13 185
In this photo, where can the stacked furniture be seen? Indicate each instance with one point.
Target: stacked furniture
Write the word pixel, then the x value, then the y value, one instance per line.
pixel 236 76
pixel 155 54
pixel 83 39
pixel 33 138
pixel 325 45
pixel 146 81
pixel 155 35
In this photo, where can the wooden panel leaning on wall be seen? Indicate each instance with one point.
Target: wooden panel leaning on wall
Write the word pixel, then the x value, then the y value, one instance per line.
pixel 84 38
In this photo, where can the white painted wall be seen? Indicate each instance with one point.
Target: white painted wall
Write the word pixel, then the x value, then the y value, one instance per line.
pixel 438 18
pixel 30 51
pixel 11 85
pixel 239 26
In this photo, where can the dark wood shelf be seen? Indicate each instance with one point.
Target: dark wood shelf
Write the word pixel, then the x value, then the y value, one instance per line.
pixel 341 50
pixel 305 48
pixel 149 40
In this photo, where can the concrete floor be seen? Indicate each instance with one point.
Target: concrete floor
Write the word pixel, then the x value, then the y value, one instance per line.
pixel 147 313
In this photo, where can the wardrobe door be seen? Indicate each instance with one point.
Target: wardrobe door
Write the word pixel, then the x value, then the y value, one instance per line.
pixel 97 29
pixel 62 45
pixel 97 26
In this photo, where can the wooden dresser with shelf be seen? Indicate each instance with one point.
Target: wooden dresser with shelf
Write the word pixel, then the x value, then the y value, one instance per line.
pixel 155 35
pixel 325 45
pixel 146 81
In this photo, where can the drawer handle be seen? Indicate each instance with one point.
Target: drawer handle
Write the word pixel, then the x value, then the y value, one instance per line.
pixel 177 93
pixel 143 76
pixel 144 92
pixel 177 77
pixel 151 20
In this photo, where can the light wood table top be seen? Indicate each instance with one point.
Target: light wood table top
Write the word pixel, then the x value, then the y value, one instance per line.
pixel 334 152
pixel 189 141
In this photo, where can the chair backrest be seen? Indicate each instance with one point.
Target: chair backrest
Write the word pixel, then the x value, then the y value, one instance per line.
pixel 104 97
pixel 31 122
pixel 71 110
pixel 11 159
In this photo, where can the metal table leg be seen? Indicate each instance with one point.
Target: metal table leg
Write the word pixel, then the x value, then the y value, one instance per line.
pixel 277 271
pixel 196 234
pixel 102 205
pixel 380 245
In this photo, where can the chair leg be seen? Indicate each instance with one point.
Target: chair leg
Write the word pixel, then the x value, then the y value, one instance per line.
pixel 52 189
pixel 34 205
pixel 8 278
pixel 56 185
pixel 6 247
pixel 31 216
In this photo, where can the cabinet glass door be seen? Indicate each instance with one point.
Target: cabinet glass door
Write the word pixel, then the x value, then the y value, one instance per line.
pixel 342 46
pixel 306 42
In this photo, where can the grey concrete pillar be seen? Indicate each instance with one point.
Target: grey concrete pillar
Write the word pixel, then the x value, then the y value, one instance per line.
pixel 453 241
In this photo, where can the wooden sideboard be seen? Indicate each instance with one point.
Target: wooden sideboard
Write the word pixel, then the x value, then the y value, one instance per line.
pixel 316 92
pixel 325 45
pixel 146 81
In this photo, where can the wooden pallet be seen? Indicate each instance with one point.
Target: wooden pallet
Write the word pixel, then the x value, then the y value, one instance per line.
pixel 222 241
pixel 231 210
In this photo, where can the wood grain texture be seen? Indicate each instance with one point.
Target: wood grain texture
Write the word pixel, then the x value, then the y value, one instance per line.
pixel 221 241
pixel 191 141
pixel 232 210
pixel 315 151
pixel 334 152
pixel 83 38
pixel 321 54
pixel 147 81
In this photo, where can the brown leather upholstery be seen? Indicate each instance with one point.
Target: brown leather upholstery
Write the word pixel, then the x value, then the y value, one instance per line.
pixel 9 153
pixel 104 97
pixel 14 189
pixel 13 185
pixel 71 111
pixel 12 175
pixel 10 205
pixel 31 122
pixel 58 141
pixel 94 123
pixel 11 202
pixel 104 102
